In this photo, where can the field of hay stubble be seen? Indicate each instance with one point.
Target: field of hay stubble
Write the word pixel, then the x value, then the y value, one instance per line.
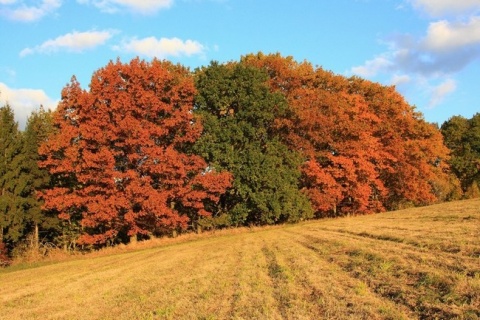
pixel 421 263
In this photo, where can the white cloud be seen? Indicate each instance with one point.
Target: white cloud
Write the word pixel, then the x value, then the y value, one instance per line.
pixel 8 72
pixel 446 48
pixel 447 7
pixel 439 92
pixel 446 36
pixel 24 101
pixel 162 48
pixel 373 67
pixel 137 6
pixel 28 13
pixel 74 42
pixel 398 80
pixel 417 64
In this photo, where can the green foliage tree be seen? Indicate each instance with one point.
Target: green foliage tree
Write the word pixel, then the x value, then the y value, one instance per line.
pixel 241 135
pixel 39 127
pixel 11 186
pixel 462 137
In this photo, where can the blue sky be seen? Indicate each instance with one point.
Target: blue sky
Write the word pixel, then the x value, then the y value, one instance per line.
pixel 429 49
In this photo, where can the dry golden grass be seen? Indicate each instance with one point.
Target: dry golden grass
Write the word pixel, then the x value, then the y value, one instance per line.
pixel 419 263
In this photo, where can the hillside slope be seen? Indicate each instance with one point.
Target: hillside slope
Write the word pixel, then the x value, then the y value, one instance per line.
pixel 416 263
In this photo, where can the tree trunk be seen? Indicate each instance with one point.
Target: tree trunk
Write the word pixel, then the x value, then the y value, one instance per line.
pixel 133 239
pixel 65 242
pixel 1 227
pixel 36 238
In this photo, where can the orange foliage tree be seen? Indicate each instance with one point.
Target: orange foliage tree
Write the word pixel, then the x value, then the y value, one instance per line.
pixel 121 160
pixel 416 171
pixel 366 149
pixel 332 129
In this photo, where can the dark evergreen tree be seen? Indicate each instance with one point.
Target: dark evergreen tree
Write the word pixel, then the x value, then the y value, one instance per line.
pixel 12 217
pixel 39 126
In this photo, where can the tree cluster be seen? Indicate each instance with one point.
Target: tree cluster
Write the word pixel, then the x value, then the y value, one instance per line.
pixel 364 148
pixel 153 149
pixel 462 137
pixel 21 215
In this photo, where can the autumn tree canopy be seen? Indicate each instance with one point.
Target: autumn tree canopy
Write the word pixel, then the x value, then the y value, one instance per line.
pixel 153 148
pixel 366 148
pixel 121 155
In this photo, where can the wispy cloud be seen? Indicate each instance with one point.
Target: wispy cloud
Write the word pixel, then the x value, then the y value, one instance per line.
pixel 72 42
pixel 162 48
pixel 436 8
pixel 24 101
pixel 23 12
pixel 439 92
pixel 136 6
pixel 398 80
pixel 373 67
pixel 447 47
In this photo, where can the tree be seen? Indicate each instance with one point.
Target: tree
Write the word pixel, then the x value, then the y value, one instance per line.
pixel 416 171
pixel 462 137
pixel 39 127
pixel 11 213
pixel 332 129
pixel 239 114
pixel 121 155
pixel 366 149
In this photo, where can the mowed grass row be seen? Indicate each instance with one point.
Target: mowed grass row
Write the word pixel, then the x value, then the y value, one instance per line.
pixel 409 264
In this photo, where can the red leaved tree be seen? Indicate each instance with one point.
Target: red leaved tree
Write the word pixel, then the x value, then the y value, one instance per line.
pixel 333 129
pixel 121 157
pixel 416 172
pixel 366 148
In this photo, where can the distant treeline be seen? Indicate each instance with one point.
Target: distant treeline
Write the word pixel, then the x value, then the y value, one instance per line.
pixel 153 148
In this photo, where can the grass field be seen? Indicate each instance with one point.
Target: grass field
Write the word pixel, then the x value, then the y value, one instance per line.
pixel 421 263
